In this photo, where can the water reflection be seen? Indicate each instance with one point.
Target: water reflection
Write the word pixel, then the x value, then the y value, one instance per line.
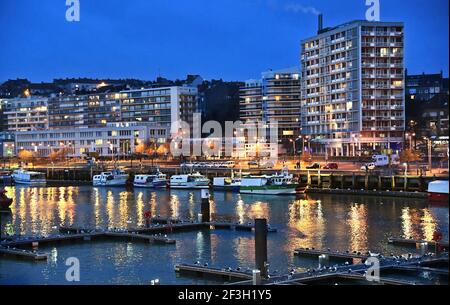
pixel 355 223
pixel 320 221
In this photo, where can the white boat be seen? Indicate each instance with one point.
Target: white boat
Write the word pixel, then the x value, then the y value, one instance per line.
pixel 189 181
pixel 232 183
pixel 278 184
pixel 113 178
pixel 438 190
pixel 22 176
pixel 151 181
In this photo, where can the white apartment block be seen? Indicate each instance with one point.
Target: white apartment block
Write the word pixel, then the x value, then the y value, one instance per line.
pixel 353 88
pixel 115 139
pixel 275 97
pixel 25 114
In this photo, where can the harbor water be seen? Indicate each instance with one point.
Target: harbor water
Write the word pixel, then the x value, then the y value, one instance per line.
pixel 338 222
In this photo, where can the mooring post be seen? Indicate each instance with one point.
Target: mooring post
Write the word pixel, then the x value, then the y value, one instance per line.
pixel 261 246
pixel 393 182
pixel 379 183
pixel 206 214
pixel 342 181
pixel 256 277
pixel 353 181
pixel 324 260
pixel 423 247
pixel 366 182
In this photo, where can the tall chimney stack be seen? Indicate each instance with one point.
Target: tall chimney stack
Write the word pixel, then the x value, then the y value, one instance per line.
pixel 320 23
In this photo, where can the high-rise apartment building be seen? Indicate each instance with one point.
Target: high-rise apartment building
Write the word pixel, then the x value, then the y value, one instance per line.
pixel 353 88
pixel 274 97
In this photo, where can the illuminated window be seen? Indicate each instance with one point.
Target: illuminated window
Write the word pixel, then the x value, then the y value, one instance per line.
pixel 99 142
pixel 383 52
pixel 288 133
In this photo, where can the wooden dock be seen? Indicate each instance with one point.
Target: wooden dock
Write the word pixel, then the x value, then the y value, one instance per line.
pixel 412 242
pixel 201 271
pixel 347 255
pixel 353 272
pixel 38 256
pixel 181 226
pixel 50 239
pixel 87 237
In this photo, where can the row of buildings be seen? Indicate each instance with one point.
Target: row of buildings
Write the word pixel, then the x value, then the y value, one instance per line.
pixel 349 95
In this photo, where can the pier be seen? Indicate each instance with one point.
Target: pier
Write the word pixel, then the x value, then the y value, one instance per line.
pixel 204 271
pixel 316 181
pixel 346 255
pixel 27 254
pixel 413 243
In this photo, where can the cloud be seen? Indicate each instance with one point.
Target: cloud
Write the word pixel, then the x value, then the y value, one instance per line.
pixel 298 8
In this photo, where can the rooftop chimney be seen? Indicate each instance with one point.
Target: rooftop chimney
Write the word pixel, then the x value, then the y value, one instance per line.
pixel 320 23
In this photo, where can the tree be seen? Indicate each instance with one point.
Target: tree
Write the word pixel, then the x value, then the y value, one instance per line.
pixel 306 156
pixel 409 155
pixel 60 154
pixel 25 155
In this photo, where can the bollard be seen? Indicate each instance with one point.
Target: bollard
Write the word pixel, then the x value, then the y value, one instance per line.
pixel 324 260
pixel 423 247
pixel 256 277
pixel 206 214
pixel 199 217
pixel 261 246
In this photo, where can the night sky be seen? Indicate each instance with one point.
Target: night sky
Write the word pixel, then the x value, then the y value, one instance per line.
pixel 228 39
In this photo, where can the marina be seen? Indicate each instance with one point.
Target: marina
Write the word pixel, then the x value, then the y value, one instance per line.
pixel 87 219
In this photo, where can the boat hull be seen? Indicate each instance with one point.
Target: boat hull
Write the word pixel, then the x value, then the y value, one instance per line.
pixel 438 197
pixel 270 190
pixel 227 188
pixel 31 183
pixel 151 185
pixel 121 182
pixel 189 186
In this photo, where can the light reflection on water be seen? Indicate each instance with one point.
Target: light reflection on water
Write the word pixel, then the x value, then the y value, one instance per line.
pixel 321 221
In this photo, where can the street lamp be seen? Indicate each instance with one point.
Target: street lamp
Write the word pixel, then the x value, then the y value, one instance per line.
pixel 429 145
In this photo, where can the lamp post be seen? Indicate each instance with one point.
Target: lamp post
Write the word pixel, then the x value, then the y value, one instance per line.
pixel 429 145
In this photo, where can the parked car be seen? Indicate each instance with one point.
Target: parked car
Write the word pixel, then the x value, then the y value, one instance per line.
pixel 368 166
pixel 252 163
pixel 331 166
pixel 313 166
pixel 267 165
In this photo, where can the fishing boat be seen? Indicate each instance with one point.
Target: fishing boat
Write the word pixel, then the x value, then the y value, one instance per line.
pixel 438 190
pixel 189 181
pixel 5 202
pixel 157 180
pixel 277 184
pixel 232 184
pixel 22 176
pixel 115 177
pixel 5 177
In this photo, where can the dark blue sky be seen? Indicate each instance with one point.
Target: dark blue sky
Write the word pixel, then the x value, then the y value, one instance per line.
pixel 229 39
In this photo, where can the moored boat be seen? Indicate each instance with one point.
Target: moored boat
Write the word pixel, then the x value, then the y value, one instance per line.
pixel 438 190
pixel 278 184
pixel 5 177
pixel 232 184
pixel 189 181
pixel 157 180
pixel 115 177
pixel 22 176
